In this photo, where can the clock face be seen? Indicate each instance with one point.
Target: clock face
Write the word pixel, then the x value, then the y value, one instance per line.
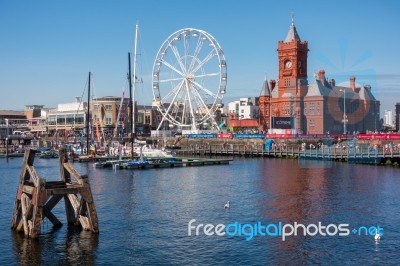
pixel 288 64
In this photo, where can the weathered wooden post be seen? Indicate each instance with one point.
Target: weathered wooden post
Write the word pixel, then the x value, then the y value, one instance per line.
pixel 36 198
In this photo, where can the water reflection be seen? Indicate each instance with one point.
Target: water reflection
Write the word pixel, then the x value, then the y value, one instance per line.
pixel 75 247
pixel 295 194
pixel 80 247
pixel 27 251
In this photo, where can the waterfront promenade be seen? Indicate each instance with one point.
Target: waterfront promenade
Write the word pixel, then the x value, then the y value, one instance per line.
pixel 350 151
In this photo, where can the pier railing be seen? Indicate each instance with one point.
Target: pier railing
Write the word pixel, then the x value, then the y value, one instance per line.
pixel 324 152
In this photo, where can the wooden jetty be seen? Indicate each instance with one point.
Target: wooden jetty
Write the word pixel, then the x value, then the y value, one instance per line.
pixel 171 162
pixel 85 159
pixel 360 154
pixel 36 198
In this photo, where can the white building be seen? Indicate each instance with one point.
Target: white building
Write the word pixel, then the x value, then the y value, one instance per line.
pixel 67 116
pixel 389 118
pixel 244 108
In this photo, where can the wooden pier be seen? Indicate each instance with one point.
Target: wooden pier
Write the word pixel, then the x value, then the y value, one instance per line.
pixel 85 159
pixel 36 198
pixel 161 163
pixel 359 154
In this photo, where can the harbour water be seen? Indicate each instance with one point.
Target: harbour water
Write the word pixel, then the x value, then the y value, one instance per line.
pixel 144 215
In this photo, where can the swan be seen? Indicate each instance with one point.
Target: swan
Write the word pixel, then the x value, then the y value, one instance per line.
pixel 377 235
pixel 227 206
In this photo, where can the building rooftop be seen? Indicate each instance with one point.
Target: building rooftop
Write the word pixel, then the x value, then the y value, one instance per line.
pixel 292 34
pixel 11 113
pixel 265 91
pixel 321 87
pixel 33 106
pixel 317 88
pixel 243 123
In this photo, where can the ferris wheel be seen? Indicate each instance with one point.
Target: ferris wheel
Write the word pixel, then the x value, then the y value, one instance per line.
pixel 189 80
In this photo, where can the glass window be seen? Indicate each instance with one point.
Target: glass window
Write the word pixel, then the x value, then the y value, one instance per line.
pixel 52 120
pixel 141 118
pixel 108 119
pixel 147 119
pixel 61 120
pixel 311 108
pixel 79 119
pixel 69 119
pixel 291 109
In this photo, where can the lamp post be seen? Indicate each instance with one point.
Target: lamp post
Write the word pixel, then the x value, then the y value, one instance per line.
pixel 297 120
pixel 270 113
pixel 7 133
pixel 375 116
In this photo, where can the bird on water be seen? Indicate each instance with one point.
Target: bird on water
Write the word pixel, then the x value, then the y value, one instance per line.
pixel 227 205
pixel 377 235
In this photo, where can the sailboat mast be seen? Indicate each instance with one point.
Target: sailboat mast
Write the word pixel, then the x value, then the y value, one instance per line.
pixel 88 116
pixel 130 102
pixel 134 78
pixel 121 103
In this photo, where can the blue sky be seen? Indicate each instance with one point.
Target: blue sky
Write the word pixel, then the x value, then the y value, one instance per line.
pixel 47 48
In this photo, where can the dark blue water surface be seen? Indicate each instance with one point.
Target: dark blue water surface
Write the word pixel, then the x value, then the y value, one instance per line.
pixel 144 215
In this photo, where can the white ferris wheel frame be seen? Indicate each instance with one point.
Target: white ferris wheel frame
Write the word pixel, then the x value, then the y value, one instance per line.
pixel 185 99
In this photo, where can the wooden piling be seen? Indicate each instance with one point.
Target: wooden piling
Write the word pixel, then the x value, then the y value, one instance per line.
pixel 36 198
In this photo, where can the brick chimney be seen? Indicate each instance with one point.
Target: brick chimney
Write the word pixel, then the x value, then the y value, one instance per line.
pixel 321 75
pixel 352 82
pixel 272 84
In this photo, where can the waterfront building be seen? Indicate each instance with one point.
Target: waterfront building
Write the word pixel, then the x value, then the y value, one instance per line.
pixel 36 116
pixel 146 119
pixel 243 115
pixel 388 118
pixel 319 107
pixel 244 108
pixel 104 115
pixel 243 126
pixel 11 121
pixel 14 129
pixel 33 111
pixel 68 117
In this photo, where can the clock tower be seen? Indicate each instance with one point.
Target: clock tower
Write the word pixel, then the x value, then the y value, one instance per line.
pixel 292 56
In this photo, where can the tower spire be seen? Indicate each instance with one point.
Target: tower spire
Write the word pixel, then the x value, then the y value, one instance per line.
pixel 292 34
pixel 292 18
pixel 265 91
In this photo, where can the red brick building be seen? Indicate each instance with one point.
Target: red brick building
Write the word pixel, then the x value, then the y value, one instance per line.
pixel 317 108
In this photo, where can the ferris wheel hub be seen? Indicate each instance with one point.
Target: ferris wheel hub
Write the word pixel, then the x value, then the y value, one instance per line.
pixel 190 77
